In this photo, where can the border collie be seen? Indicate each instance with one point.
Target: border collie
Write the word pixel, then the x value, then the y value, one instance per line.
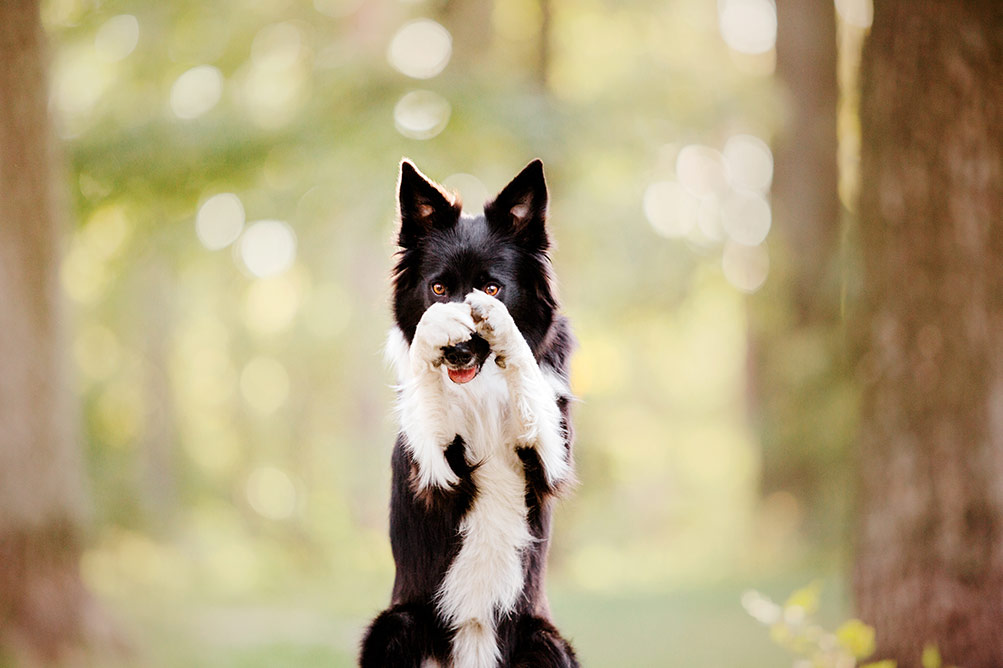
pixel 481 356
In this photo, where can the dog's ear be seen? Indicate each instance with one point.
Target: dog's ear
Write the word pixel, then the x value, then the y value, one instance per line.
pixel 422 205
pixel 520 209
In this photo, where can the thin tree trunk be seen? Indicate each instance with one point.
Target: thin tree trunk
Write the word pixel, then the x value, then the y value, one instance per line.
pixel 42 600
pixel 929 562
pixel 543 44
pixel 803 451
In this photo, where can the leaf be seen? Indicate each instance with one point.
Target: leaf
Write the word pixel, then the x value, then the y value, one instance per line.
pixel 887 663
pixel 931 657
pixel 857 638
pixel 806 598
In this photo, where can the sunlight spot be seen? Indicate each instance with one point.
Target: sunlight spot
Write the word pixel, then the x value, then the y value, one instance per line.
pixel 107 231
pixel 749 163
pixel 79 80
pixel 196 91
pixel 83 274
pixel 745 267
pixel 271 493
pixel 278 47
pixel 748 26
pixel 219 221
pixel 421 114
pixel 746 216
pixel 701 170
pixel 268 247
pixel 264 384
pixel 471 190
pixel 271 303
pixel 858 13
pixel 276 82
pixel 117 37
pixel 421 49
pixel 670 209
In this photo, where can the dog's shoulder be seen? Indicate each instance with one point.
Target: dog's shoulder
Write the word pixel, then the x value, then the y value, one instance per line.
pixel 557 347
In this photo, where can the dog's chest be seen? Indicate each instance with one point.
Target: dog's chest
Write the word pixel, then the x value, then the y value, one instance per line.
pixel 487 575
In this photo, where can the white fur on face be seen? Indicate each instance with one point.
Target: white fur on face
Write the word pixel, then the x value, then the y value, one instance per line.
pixel 500 410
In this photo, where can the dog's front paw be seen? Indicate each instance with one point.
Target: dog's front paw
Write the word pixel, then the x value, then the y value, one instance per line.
pixel 495 324
pixel 433 471
pixel 441 326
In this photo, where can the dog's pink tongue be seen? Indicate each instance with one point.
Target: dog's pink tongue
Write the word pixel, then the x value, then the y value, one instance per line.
pixel 461 376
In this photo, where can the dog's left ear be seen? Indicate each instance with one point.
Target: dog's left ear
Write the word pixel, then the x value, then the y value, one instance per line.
pixel 520 209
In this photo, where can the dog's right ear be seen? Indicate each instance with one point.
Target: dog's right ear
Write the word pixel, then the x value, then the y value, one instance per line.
pixel 422 205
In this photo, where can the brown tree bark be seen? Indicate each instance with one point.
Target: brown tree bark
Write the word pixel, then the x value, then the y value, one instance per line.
pixel 43 604
pixel 929 559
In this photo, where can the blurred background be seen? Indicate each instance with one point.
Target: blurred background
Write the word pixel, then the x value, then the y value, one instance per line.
pixel 229 174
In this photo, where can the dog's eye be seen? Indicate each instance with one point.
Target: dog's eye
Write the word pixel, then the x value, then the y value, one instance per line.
pixel 492 289
pixel 439 289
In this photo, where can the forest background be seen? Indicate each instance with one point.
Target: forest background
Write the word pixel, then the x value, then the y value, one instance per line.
pixel 197 474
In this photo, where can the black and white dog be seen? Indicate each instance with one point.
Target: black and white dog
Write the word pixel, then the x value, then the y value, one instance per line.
pixel 481 355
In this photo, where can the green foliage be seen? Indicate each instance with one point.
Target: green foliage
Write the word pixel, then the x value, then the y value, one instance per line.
pixel 793 626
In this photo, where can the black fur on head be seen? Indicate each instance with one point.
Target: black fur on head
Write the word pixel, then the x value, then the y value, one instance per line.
pixel 506 247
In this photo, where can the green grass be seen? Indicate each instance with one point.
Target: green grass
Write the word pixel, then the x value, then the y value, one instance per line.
pixel 696 627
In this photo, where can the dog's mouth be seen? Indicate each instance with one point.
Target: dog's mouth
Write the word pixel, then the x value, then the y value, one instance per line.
pixel 464 360
pixel 460 376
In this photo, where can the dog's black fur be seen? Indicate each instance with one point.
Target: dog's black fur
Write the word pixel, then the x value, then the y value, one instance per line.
pixel 464 253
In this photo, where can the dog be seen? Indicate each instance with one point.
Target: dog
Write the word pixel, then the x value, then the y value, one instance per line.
pixel 485 443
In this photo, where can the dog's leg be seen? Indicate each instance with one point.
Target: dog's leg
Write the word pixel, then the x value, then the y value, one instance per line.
pixel 423 406
pixel 403 636
pixel 537 644
pixel 534 394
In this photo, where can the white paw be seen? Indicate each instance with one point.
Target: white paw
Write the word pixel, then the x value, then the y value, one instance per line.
pixel 493 322
pixel 434 470
pixel 441 325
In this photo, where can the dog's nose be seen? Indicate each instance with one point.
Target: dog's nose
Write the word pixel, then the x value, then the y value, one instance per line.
pixel 458 355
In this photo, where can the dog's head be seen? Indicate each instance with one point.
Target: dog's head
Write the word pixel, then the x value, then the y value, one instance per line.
pixel 445 254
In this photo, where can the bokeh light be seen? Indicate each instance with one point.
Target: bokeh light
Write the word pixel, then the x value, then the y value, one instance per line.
pixel 745 267
pixel 858 13
pixel 471 189
pixel 749 163
pixel 271 493
pixel 671 210
pixel 276 82
pixel 268 247
pixel 421 49
pixel 196 91
pixel 117 37
pixel 421 114
pixel 748 26
pixel 264 384
pixel 746 217
pixel 700 169
pixel 219 221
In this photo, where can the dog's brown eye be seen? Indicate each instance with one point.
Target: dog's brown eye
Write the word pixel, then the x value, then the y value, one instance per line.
pixel 439 289
pixel 492 289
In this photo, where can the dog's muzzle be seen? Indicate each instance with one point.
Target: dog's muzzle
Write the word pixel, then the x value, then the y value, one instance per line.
pixel 464 360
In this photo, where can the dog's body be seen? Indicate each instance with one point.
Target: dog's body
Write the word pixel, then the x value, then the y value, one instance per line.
pixel 481 356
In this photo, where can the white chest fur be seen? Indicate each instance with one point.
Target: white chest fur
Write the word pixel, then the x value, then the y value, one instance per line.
pixel 486 577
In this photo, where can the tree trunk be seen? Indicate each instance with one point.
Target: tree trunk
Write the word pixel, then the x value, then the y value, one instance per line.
pixel 42 600
pixel 929 561
pixel 803 451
